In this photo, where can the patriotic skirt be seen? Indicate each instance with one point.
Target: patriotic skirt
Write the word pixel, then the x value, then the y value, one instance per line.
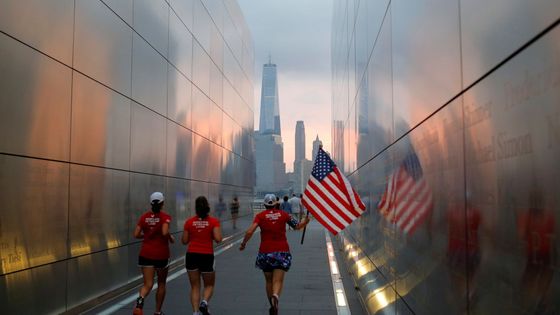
pixel 275 260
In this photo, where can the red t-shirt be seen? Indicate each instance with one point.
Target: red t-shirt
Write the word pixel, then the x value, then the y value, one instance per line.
pixel 155 245
pixel 200 234
pixel 273 230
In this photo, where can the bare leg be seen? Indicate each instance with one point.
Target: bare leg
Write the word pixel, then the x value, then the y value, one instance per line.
pixel 268 278
pixel 194 279
pixel 160 294
pixel 209 279
pixel 148 274
pixel 277 281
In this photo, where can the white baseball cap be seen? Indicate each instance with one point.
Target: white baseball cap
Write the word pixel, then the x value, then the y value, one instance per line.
pixel 269 200
pixel 157 197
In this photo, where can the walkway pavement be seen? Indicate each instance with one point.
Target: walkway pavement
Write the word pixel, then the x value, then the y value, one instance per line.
pixel 240 286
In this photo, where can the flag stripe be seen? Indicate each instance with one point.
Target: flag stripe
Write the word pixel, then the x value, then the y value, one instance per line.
pixel 324 206
pixel 405 210
pixel 416 208
pixel 357 207
pixel 404 199
pixel 321 217
pixel 332 202
pixel 421 218
pixel 335 192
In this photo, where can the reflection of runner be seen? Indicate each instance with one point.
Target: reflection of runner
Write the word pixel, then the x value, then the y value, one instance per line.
pixel 536 229
pixel 153 228
pixel 274 257
pixel 199 233
pixel 220 207
pixel 234 209
pixel 463 254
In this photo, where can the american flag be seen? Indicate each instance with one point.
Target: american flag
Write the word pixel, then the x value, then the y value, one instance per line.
pixel 407 200
pixel 330 197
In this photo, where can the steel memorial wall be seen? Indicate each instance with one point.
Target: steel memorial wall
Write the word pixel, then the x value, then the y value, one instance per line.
pixel 102 103
pixel 446 116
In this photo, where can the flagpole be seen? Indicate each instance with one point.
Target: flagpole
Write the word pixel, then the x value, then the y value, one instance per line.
pixel 304 228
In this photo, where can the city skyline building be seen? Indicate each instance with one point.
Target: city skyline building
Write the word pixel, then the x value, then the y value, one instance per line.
pixel 300 141
pixel 270 108
pixel 316 144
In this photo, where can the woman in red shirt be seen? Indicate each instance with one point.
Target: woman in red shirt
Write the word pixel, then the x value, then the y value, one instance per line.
pixel 199 233
pixel 153 228
pixel 274 257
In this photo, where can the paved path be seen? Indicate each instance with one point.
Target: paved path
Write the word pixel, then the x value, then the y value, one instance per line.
pixel 240 286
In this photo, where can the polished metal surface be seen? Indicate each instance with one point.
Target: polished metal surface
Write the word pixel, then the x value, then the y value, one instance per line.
pixel 474 226
pixel 179 147
pixel 94 105
pixel 34 219
pixel 45 26
pixel 148 141
pixel 103 45
pixel 490 35
pixel 35 102
pixel 103 102
pixel 149 76
pixel 18 290
pixel 151 21
pixel 99 207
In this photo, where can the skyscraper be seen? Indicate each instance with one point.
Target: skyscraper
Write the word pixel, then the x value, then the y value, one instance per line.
pixel 316 144
pixel 300 141
pixel 270 112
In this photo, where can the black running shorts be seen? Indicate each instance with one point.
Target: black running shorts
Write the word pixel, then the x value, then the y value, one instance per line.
pixel 156 263
pixel 200 262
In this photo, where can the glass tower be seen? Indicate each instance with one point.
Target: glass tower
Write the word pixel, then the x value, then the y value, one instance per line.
pixel 300 141
pixel 270 114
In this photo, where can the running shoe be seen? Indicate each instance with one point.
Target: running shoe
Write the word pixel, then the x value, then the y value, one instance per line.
pixel 203 307
pixel 138 308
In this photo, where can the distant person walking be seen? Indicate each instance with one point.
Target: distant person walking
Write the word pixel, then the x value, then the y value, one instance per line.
pixel 199 232
pixel 153 229
pixel 274 257
pixel 286 206
pixel 295 203
pixel 234 209
pixel 220 207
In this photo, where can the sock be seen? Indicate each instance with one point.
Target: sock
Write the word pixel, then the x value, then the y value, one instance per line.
pixel 204 301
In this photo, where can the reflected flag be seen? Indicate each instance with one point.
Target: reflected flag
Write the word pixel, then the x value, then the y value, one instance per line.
pixel 407 200
pixel 329 195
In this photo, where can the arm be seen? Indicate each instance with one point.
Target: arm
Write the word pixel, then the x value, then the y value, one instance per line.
pixel 302 224
pixel 217 234
pixel 248 235
pixel 138 232
pixel 165 232
pixel 185 237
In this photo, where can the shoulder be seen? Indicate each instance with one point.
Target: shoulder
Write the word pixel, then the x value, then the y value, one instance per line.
pixel 214 220
pixel 166 215
pixel 190 220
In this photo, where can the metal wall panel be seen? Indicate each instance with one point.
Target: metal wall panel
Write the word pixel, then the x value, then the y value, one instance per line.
pixel 378 131
pixel 103 45
pixel 52 25
pixel 178 202
pixel 148 141
pixel 512 139
pixel 99 206
pixel 37 191
pixel 179 98
pixel 201 109
pixel 184 9
pixel 179 146
pixel 180 45
pixel 93 275
pixel 35 103
pixel 151 20
pixel 202 25
pixel 201 151
pixel 201 68
pixel 19 291
pixel 149 76
pixel 123 8
pixel 100 125
pixel 215 117
pixel 426 59
pixel 490 31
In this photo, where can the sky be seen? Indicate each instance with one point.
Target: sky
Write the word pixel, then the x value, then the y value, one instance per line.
pixel 296 34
